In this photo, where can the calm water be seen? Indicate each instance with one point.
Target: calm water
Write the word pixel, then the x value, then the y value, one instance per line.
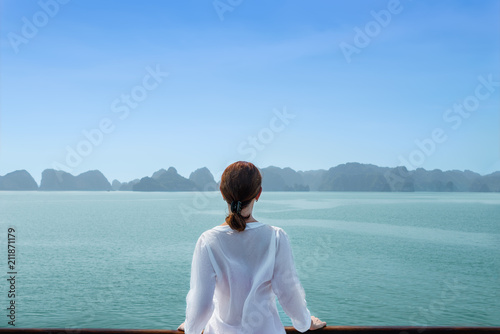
pixel 122 259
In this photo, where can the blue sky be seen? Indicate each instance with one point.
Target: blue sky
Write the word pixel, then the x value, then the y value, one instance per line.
pixel 303 84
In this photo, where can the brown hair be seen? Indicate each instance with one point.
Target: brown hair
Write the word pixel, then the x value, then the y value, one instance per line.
pixel 241 181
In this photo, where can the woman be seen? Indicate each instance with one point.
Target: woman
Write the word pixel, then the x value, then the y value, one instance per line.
pixel 240 266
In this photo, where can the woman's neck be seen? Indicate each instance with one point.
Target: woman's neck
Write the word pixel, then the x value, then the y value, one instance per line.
pixel 247 211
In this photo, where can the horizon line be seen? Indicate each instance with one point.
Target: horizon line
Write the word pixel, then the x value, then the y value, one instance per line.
pixel 260 168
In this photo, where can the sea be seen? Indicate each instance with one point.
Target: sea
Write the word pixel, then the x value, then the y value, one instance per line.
pixel 122 259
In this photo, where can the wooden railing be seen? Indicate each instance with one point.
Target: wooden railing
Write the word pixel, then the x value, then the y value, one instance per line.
pixel 329 329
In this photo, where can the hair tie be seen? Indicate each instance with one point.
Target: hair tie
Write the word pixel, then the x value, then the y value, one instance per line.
pixel 236 206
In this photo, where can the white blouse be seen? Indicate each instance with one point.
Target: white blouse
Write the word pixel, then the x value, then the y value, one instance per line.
pixel 235 277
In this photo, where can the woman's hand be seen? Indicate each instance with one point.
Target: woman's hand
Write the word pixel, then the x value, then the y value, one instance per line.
pixel 316 323
pixel 181 327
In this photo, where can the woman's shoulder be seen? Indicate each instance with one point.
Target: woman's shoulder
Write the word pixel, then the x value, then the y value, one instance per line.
pixel 267 227
pixel 213 232
pixel 227 229
pixel 208 234
pixel 277 229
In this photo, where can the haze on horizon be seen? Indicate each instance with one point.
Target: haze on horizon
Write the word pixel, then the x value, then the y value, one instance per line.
pixel 129 89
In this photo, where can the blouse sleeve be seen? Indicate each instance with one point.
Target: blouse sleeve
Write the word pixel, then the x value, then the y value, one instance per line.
pixel 199 299
pixel 286 285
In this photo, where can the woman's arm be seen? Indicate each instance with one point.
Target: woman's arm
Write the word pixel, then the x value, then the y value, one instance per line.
pixel 199 300
pixel 286 285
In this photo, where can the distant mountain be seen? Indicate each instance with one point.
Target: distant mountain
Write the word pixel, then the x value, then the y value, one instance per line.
pixel 123 186
pixel 115 185
pixel 399 179
pixel 312 178
pixel 437 180
pixel 490 182
pixel 18 180
pixel 282 179
pixel 57 180
pixel 92 180
pixel 128 186
pixel 156 175
pixel 345 177
pixel 203 180
pixel 365 177
pixel 354 177
pixel 148 184
pixel 162 180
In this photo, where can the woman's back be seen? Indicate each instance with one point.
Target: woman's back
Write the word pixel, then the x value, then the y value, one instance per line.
pixel 248 269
